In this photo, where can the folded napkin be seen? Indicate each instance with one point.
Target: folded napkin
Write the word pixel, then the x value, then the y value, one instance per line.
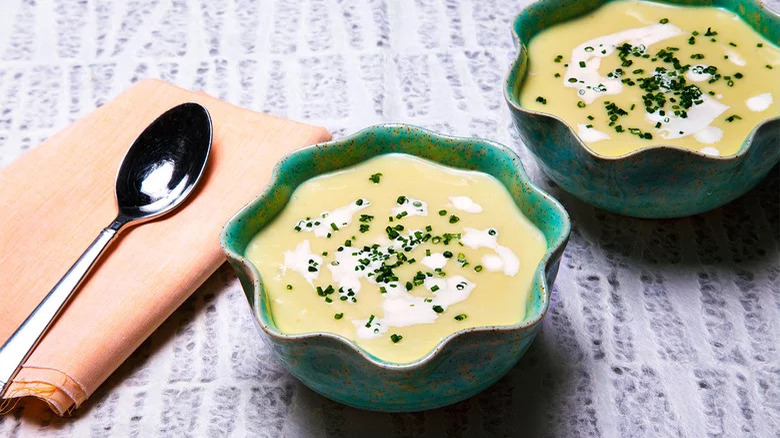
pixel 56 198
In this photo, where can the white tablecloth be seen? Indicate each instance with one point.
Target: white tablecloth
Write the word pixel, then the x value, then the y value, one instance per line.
pixel 657 328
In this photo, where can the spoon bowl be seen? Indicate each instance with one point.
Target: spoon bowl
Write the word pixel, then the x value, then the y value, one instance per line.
pixel 157 174
pixel 164 163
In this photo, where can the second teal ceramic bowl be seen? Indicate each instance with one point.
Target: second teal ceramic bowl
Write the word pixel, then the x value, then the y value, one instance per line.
pixel 653 182
pixel 463 363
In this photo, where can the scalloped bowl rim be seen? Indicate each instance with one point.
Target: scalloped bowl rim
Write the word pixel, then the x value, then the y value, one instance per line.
pixel 516 105
pixel 558 243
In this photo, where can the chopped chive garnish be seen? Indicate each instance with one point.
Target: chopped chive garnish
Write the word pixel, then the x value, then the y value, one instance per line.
pixel 434 288
pixel 289 287
pixel 375 178
pixel 460 317
pixel 359 202
pixel 582 64
pixel 478 268
pixel 447 254
pixel 395 338
pixel 541 100
pixel 580 104
pixel 664 20
pixel 454 219
pixel 334 226
pixel 733 117
pixel 401 199
pixel 442 212
pixel 557 75
pixel 760 45
pixel 370 320
pixel 572 80
pixel 438 309
pixel 732 44
pixel 338 316
pixel 558 58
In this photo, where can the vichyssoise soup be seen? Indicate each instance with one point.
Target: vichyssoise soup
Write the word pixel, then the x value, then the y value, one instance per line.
pixel 396 253
pixel 633 74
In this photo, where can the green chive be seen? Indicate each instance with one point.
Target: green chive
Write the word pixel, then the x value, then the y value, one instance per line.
pixel 395 338
pixel 338 316
pixel 438 309
pixel 375 178
pixel 442 212
pixel 460 317
pixel 289 287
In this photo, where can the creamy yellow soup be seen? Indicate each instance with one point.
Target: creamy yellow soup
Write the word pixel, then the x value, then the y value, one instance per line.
pixel 634 74
pixel 396 253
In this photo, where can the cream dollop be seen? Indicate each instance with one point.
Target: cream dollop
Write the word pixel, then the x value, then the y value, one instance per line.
pixel 330 221
pixel 434 261
pixel 300 259
pixel 585 60
pixel 504 259
pixel 464 203
pixel 759 103
pixel 590 135
pixel 698 120
pixel 709 150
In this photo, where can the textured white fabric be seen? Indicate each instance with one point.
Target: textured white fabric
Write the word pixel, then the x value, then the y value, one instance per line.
pixel 657 328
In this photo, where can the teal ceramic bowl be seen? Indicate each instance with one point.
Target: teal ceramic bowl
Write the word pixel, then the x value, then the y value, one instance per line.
pixel 462 364
pixel 653 182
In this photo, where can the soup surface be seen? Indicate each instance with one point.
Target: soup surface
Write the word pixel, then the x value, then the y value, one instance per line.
pixel 396 253
pixel 634 74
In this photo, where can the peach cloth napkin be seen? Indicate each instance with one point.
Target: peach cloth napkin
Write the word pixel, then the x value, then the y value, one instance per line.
pixel 55 200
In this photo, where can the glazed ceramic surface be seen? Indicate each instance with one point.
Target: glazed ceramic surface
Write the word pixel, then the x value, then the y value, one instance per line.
pixel 462 364
pixel 653 182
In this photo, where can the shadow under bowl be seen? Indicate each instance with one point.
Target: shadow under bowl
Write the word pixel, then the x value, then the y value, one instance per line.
pixel 463 363
pixel 652 182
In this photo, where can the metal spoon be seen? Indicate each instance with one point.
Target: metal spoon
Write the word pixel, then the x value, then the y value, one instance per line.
pixel 158 172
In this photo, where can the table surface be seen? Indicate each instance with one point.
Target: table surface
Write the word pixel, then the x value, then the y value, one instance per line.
pixel 656 328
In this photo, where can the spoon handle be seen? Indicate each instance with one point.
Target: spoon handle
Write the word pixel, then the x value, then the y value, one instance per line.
pixel 19 346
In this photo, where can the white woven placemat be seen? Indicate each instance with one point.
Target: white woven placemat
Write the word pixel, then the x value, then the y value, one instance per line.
pixel 657 328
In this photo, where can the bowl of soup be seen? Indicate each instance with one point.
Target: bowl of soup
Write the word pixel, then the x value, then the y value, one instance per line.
pixel 649 109
pixel 398 269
